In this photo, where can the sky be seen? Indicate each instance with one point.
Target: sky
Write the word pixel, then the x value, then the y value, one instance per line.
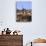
pixel 24 4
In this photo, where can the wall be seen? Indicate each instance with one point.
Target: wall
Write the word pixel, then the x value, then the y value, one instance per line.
pixel 35 29
pixel 39 19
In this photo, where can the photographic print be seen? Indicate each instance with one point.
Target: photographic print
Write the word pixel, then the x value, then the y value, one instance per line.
pixel 23 11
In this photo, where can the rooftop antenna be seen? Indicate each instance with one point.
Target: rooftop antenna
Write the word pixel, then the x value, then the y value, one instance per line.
pixel 22 8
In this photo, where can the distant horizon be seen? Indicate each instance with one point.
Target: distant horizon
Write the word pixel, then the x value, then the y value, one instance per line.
pixel 23 8
pixel 23 4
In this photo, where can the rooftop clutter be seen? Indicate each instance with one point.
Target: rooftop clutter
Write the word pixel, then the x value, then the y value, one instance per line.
pixel 8 32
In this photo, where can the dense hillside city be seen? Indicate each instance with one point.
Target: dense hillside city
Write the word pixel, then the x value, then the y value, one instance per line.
pixel 24 15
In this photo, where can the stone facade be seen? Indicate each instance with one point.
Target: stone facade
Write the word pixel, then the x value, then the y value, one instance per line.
pixel 11 40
